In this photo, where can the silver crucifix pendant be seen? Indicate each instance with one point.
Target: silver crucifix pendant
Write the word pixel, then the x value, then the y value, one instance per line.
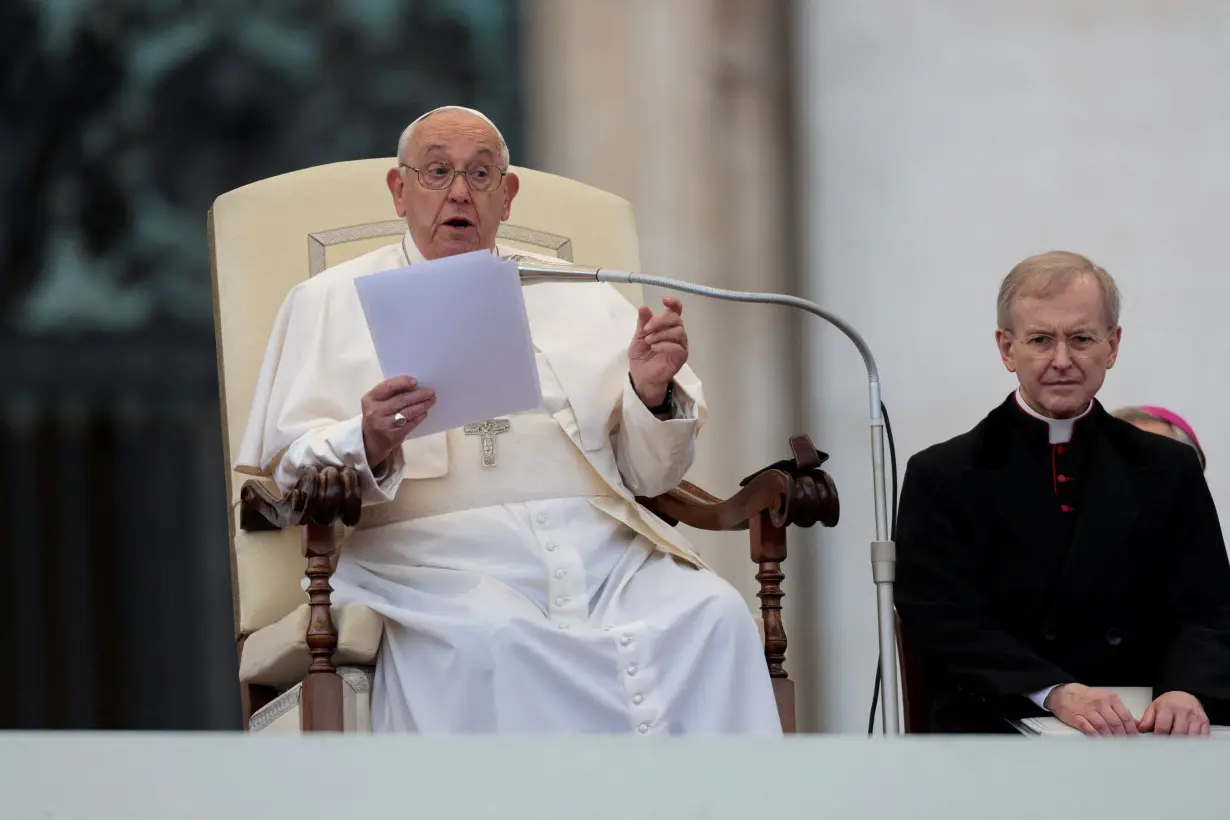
pixel 488 430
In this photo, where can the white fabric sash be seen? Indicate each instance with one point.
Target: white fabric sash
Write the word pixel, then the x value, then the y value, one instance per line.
pixel 535 461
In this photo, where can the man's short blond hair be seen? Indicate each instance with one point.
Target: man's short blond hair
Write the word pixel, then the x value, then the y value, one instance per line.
pixel 1047 272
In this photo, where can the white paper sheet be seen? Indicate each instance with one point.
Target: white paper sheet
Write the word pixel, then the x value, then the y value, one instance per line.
pixel 459 326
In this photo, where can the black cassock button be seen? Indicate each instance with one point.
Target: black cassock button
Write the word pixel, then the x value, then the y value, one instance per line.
pixel 1050 637
pixel 1114 637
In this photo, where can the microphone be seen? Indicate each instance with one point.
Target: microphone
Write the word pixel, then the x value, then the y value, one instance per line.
pixel 883 548
pixel 535 271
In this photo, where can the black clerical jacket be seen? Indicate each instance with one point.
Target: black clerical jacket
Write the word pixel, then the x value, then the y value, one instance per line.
pixel 1023 564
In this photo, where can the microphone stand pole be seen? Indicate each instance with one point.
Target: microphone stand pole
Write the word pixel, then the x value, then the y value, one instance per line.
pixel 883 550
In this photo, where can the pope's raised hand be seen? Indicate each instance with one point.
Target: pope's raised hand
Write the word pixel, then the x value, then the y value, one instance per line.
pixel 659 349
pixel 384 408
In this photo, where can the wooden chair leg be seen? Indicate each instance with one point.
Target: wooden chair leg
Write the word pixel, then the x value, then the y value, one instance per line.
pixel 255 697
pixel 320 701
pixel 783 693
pixel 252 697
pixel 245 693
pixel 915 701
pixel 768 553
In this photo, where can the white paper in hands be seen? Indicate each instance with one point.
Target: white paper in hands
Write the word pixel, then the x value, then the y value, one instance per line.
pixel 459 326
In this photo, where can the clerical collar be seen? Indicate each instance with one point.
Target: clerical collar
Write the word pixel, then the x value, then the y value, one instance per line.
pixel 411 253
pixel 1060 429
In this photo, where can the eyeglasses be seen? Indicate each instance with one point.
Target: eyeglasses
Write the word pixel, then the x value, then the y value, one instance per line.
pixel 438 176
pixel 1079 345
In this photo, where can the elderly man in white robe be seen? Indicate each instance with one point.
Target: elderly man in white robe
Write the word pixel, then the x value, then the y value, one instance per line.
pixel 522 587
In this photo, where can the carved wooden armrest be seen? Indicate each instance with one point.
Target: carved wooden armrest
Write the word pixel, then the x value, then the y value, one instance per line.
pixel 795 491
pixel 323 496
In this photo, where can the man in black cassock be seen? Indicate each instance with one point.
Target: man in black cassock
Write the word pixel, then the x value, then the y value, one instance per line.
pixel 1054 549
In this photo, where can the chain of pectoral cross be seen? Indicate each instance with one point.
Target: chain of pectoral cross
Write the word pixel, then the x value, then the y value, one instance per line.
pixel 487 430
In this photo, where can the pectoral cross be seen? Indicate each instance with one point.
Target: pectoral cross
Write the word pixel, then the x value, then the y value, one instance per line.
pixel 488 430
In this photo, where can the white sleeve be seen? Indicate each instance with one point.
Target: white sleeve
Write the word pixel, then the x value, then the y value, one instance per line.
pixel 340 445
pixel 653 455
pixel 1039 697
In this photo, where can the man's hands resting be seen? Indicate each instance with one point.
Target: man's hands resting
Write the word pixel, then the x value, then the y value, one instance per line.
pixel 401 394
pixel 1098 712
pixel 1175 713
pixel 1093 711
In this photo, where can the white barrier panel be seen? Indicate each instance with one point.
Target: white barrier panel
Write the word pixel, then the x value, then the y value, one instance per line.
pixel 99 776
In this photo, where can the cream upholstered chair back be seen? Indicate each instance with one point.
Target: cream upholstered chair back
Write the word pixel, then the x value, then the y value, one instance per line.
pixel 266 237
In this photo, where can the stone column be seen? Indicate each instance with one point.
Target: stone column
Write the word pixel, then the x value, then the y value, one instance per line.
pixel 683 108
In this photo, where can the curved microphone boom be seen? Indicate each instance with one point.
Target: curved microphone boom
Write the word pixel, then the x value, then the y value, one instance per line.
pixel 883 549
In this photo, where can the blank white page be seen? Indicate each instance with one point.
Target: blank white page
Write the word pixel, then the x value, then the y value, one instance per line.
pixel 459 326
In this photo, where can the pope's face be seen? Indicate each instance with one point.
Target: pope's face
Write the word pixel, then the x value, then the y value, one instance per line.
pixel 1059 347
pixel 455 219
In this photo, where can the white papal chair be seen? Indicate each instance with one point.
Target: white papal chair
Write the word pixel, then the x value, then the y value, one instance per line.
pixel 305 665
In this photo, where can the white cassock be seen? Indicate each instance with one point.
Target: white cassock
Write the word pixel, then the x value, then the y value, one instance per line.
pixel 533 595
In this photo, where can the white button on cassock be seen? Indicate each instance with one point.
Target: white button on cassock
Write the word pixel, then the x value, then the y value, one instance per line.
pixel 542 518
pixel 561 601
pixel 626 639
pixel 551 545
pixel 632 670
pixel 560 573
pixel 638 698
pixel 643 728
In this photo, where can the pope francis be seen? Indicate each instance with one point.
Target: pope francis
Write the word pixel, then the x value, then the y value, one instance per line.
pixel 523 589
